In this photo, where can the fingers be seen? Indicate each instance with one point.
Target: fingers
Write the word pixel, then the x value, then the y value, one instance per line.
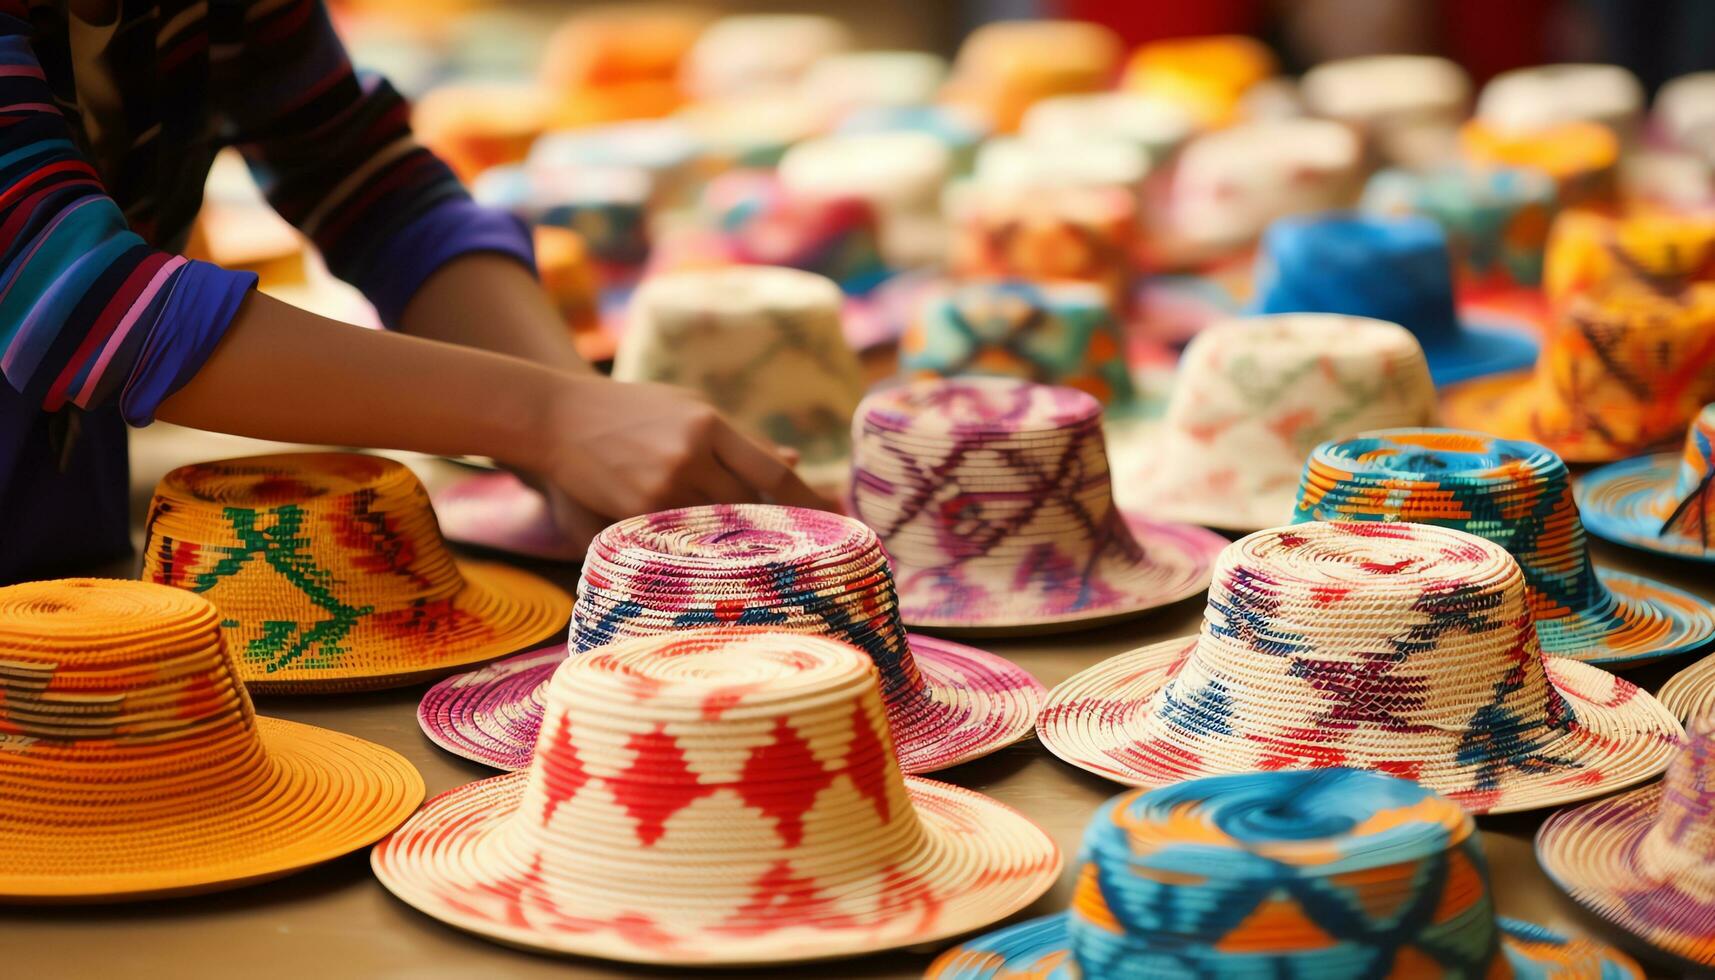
pixel 763 471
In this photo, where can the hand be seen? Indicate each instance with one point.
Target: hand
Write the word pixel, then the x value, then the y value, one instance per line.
pixel 620 449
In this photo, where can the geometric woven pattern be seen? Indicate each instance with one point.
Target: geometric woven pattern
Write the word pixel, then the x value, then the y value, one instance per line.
pixel 1663 503
pixel 716 796
pixel 330 573
pixel 1047 234
pixel 1403 648
pixel 1662 252
pixel 1330 873
pixel 1518 495
pixel 1645 860
pixel 1496 219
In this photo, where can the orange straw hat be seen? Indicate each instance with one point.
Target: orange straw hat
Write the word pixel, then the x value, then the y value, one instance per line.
pixel 133 766
pixel 716 797
pixel 1207 76
pixel 1582 157
pixel 1404 648
pixel 330 573
pixel 1661 251
pixel 1003 67
pixel 1624 371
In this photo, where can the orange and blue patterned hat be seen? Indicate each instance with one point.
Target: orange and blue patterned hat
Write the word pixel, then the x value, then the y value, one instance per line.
pixel 1663 503
pixel 330 573
pixel 1518 495
pixel 1328 873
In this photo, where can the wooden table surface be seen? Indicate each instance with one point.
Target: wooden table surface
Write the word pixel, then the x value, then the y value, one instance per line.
pixel 337 921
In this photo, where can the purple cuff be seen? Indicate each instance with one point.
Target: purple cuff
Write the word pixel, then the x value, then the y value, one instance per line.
pixel 200 304
pixel 443 233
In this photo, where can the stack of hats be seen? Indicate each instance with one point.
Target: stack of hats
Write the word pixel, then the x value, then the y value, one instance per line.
pixel 1004 66
pixel 1335 873
pixel 1645 860
pixel 1255 395
pixel 1582 157
pixel 1408 106
pixel 1403 648
pixel 1623 371
pixel 330 573
pixel 716 797
pixel 762 344
pixel 993 498
pixel 1058 333
pixel 782 568
pixel 1663 503
pixel 1496 218
pixel 133 765
pixel 1518 495
pixel 1080 233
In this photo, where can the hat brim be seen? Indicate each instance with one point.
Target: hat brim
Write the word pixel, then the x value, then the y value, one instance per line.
pixel 1590 851
pixel 976 862
pixel 1618 736
pixel 1617 503
pixel 1505 405
pixel 1177 563
pixel 1648 621
pixel 1480 348
pixel 1690 693
pixel 973 703
pixel 1041 950
pixel 331 794
pixel 500 610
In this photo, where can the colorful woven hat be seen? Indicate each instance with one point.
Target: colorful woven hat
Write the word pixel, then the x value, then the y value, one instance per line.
pixel 742 54
pixel 1003 67
pixel 899 174
pixel 1624 371
pixel 1663 503
pixel 1403 648
pixel 1408 106
pixel 993 499
pixel 1659 251
pixel 1078 233
pixel 1060 333
pixel 1518 495
pixel 609 207
pixel 756 221
pixel 1231 184
pixel 1530 100
pixel 716 797
pixel 330 574
pixel 1208 75
pixel 1496 218
pixel 1254 395
pixel 1331 873
pixel 1386 268
pixel 1645 859
pixel 1153 125
pixel 1583 158
pixel 496 511
pixel 780 567
pixel 1690 694
pixel 133 766
pixel 763 344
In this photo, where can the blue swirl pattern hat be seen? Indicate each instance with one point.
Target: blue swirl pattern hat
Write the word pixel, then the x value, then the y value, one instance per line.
pixel 1328 873
pixel 1387 268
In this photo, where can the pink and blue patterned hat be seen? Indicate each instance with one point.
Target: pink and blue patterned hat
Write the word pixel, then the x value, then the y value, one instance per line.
pixel 1326 873
pixel 1403 648
pixel 752 565
pixel 1663 503
pixel 993 499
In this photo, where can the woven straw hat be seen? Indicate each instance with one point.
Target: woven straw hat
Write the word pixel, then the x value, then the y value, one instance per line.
pixel 756 220
pixel 763 344
pixel 330 573
pixel 1153 125
pixel 133 766
pixel 1583 158
pixel 1207 75
pixel 1057 333
pixel 1663 503
pixel 862 79
pixel 1390 268
pixel 1530 100
pixel 744 54
pixel 1645 859
pixel 993 499
pixel 1004 67
pixel 1254 395
pixel 1661 251
pixel 1397 647
pixel 1690 693
pixel 752 565
pixel 1685 110
pixel 1496 218
pixel 1079 233
pixel 1624 371
pixel 1408 106
pixel 1331 873
pixel 716 797
pixel 1518 495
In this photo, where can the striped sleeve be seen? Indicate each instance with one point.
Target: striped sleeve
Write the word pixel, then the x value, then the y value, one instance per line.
pixel 89 313
pixel 335 154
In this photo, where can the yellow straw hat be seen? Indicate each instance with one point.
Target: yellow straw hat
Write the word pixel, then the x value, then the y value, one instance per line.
pixel 132 764
pixel 330 573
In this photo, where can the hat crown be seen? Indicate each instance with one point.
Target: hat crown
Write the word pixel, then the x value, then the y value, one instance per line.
pixel 1591 251
pixel 745 565
pixel 1329 872
pixel 1682 842
pixel 1692 504
pixel 1387 267
pixel 747 768
pixel 1516 494
pixel 118 703
pixel 1364 643
pixel 1496 218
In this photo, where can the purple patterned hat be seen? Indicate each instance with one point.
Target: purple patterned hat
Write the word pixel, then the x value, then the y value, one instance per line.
pixel 1645 860
pixel 992 497
pixel 782 568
